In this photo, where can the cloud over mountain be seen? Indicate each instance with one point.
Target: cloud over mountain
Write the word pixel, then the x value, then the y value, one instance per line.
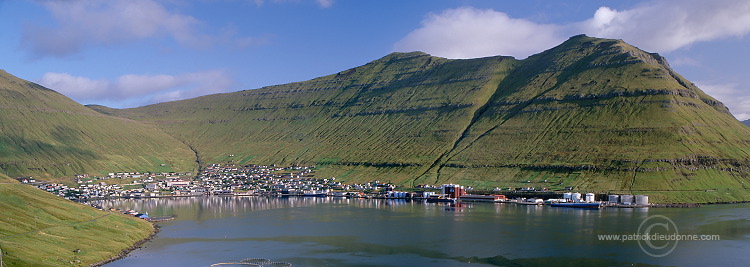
pixel 135 89
pixel 664 26
pixel 657 26
pixel 468 32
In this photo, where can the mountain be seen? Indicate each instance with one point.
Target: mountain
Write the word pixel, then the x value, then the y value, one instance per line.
pixel 746 122
pixel 597 115
pixel 47 135
pixel 386 120
pixel 593 114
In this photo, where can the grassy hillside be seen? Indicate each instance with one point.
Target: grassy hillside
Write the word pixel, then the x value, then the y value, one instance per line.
pixel 595 114
pixel 397 112
pixel 602 115
pixel 40 229
pixel 45 134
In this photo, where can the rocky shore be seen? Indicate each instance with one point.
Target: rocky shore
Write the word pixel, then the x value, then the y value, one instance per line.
pixel 127 251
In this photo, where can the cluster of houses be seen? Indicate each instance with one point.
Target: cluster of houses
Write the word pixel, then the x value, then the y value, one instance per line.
pixel 101 187
pixel 231 179
pixel 215 179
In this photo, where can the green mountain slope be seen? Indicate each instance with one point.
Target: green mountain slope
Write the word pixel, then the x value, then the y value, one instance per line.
pixel 45 134
pixel 595 114
pixel 393 114
pixel 602 115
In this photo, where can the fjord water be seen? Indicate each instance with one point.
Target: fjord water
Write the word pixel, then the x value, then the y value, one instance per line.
pixel 360 232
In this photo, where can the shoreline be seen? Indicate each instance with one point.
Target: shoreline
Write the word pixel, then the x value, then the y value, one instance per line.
pixel 124 253
pixel 653 205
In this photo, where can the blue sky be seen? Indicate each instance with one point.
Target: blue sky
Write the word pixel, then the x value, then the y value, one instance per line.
pixel 128 53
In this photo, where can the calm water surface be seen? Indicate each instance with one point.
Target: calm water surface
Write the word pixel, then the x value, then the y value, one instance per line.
pixel 361 232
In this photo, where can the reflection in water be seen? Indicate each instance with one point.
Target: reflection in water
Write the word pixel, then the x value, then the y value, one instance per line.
pixel 211 207
pixel 315 231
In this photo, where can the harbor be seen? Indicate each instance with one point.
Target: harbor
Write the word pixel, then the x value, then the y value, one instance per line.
pixel 300 181
pixel 373 232
pixel 452 193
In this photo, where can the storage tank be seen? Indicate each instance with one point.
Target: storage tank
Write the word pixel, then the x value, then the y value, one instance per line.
pixel 613 199
pixel 589 197
pixel 576 197
pixel 567 196
pixel 626 199
pixel 641 200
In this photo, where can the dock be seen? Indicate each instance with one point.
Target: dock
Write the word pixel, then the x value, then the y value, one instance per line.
pixel 160 219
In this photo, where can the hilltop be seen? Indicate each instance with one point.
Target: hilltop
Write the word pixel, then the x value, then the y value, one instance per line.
pixel 592 114
pixel 47 135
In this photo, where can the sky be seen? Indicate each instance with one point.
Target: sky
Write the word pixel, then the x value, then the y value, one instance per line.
pixel 130 53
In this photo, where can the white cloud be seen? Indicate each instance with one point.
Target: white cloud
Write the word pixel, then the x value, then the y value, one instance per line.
pixel 664 26
pixel 82 23
pixel 75 86
pixel 135 90
pixel 656 26
pixel 325 3
pixel 469 32
pixel 85 22
pixel 732 95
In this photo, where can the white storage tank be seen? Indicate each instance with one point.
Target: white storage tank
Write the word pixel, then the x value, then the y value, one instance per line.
pixel 576 197
pixel 567 196
pixel 626 199
pixel 589 197
pixel 613 199
pixel 641 200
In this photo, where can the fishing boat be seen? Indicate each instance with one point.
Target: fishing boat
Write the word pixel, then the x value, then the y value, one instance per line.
pixel 440 198
pixel 314 194
pixel 529 201
pixel 482 198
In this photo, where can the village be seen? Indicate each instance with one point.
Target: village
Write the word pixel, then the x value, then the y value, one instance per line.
pixel 272 180
pixel 215 179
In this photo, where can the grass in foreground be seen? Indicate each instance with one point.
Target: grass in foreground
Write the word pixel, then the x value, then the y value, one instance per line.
pixel 37 228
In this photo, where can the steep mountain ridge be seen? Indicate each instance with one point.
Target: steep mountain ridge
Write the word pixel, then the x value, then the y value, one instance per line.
pixel 555 115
